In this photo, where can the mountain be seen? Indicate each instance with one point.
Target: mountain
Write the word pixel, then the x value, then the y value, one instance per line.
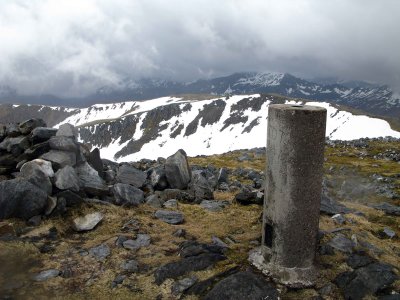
pixel 374 99
pixel 129 131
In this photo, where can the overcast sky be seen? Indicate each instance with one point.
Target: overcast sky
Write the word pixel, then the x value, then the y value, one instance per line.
pixel 73 47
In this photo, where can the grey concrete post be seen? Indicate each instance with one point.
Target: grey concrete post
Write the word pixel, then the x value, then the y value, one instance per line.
pixel 295 154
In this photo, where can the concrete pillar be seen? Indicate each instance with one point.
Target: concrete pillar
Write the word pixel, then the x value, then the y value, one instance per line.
pixel 295 155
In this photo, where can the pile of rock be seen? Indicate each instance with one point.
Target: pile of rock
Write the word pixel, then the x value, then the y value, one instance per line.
pixel 45 170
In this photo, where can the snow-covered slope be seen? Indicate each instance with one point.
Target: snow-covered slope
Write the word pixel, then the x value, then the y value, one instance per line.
pixel 158 127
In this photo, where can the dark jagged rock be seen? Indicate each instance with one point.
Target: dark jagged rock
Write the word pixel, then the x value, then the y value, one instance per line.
pixel 15 145
pixel 223 176
pixel 63 143
pixel 90 180
pixel 27 126
pixel 341 243
pixel 200 187
pixel 127 195
pixel 177 194
pixel 35 151
pixel 142 240
pixel 71 198
pixel 331 207
pixel 95 161
pixel 186 265
pixel 130 175
pixel 21 199
pixel 41 134
pixel 177 170
pixel 366 280
pixel 182 285
pixel 389 209
pixel 194 248
pixel 242 286
pixel 12 130
pixel 60 159
pixel 246 197
pixel 358 260
pixel 154 201
pixel 170 217
pixel 158 178
pixel 67 179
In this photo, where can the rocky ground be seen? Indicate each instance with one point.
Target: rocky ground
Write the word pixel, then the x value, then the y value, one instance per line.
pixel 74 226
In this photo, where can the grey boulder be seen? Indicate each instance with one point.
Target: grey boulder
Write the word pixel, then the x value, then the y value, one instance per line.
pixel 177 170
pixel 22 199
pixel 38 172
pixel 90 180
pixel 128 195
pixel 27 126
pixel 67 179
pixel 60 159
pixel 87 222
pixel 200 187
pixel 68 130
pixel 41 134
pixel 63 143
pixel 130 175
pixel 142 240
pixel 170 217
pixel 158 178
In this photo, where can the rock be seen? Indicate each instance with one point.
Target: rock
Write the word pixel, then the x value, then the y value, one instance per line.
pixel 118 280
pixel 35 151
pixel 194 248
pixel 130 266
pixel 223 176
pixel 158 178
pixel 331 207
pixel 34 221
pixel 60 159
pixel 182 285
pixel 341 243
pixel 109 176
pixel 87 222
pixel 61 207
pixel 130 175
pixel 246 197
pixel 68 130
pixel 27 126
pixel 177 170
pixel 366 280
pixel 327 289
pixel 47 274
pixel 170 217
pixel 127 195
pixel 100 252
pixel 51 205
pixel 339 219
pixel 180 233
pixel 63 143
pixel 95 161
pixel 21 199
pixel 41 134
pixel 214 205
pixel 71 199
pixel 389 209
pixel 154 201
pixel 67 179
pixel 172 203
pixel 142 240
pixel 8 160
pixel 179 195
pixel 358 260
pixel 15 145
pixel 186 265
pixel 43 165
pixel 38 172
pixel 389 232
pixel 12 130
pixel 90 180
pixel 243 285
pixel 200 187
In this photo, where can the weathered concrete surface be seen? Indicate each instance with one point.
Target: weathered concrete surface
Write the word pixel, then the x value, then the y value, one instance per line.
pixel 295 154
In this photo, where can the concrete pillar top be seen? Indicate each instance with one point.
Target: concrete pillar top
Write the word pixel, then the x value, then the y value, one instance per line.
pixel 297 107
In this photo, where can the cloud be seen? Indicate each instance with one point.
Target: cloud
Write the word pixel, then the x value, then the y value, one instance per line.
pixel 72 47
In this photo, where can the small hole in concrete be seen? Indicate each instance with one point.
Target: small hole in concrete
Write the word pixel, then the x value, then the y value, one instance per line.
pixel 297 105
pixel 268 235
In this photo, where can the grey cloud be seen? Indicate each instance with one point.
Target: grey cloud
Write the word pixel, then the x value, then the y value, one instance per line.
pixel 73 47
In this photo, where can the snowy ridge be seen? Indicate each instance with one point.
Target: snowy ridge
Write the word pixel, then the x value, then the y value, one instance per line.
pixel 208 127
pixel 263 79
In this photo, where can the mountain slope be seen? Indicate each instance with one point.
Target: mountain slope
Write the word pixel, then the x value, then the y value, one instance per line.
pixel 149 129
pixel 375 99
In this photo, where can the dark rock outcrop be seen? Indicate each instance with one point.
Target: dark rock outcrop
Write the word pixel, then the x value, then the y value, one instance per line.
pixel 177 170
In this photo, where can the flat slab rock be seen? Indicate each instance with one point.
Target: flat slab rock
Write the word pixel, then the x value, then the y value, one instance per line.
pixel 46 274
pixel 87 222
pixel 242 286
pixel 170 217
pixel 142 240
